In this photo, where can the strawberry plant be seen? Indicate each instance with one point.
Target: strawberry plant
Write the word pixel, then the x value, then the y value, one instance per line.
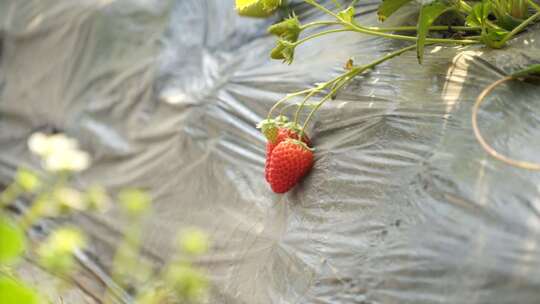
pixel 488 22
pixel 51 195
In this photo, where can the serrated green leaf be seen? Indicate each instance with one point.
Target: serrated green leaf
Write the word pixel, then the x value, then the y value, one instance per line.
pixel 528 71
pixel 428 14
pixel 388 7
pixel 479 14
pixel 12 241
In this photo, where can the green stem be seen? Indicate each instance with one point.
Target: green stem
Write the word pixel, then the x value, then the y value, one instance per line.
pixel 308 96
pixel 431 28
pixel 534 5
pixel 318 23
pixel 397 28
pixel 518 29
pixel 322 8
pixel 287 97
pixel 316 90
pixel 390 56
pixel 321 34
pixel 325 98
pixel 283 109
pixel 351 74
pixel 363 30
pixel 465 6
pixel 360 29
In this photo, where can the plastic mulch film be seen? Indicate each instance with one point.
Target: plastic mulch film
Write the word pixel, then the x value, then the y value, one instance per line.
pixel 402 205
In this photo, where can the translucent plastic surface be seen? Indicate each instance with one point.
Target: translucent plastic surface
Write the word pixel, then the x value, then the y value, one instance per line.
pixel 402 205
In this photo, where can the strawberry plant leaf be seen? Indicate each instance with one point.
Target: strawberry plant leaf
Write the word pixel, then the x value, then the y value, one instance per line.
pixel 479 14
pixel 492 38
pixel 428 14
pixel 388 7
pixel 507 22
pixel 528 71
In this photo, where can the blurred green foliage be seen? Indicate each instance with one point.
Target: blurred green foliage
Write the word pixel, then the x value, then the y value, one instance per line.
pixel 52 195
pixel 12 241
pixel 15 292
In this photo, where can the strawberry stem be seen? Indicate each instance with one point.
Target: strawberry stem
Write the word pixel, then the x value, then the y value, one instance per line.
pixel 397 28
pixel 349 76
pixel 534 5
pixel 518 29
pixel 287 97
pixel 352 26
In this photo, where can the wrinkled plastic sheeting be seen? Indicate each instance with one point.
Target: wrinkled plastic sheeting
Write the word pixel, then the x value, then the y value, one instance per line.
pixel 402 205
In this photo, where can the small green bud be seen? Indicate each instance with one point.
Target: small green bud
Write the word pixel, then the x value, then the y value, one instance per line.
pixel 27 180
pixel 276 52
pixel 284 50
pixel 134 201
pixel 194 242
pixel 290 27
pixel 188 283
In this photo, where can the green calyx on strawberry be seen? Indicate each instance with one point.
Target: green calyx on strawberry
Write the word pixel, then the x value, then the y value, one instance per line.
pixel 270 127
pixel 282 120
pixel 286 131
pixel 294 127
pixel 289 28
pixel 290 161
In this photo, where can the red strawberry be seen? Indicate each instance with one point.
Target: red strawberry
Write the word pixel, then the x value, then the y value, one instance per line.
pixel 283 134
pixel 291 159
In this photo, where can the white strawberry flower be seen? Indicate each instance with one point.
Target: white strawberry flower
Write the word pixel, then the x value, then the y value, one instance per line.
pixel 58 152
